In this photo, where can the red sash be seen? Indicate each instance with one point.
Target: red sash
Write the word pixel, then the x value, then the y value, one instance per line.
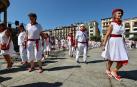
pixel 115 35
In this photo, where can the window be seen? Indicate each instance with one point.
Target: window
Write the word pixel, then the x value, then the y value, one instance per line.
pixel 127 30
pixel 91 30
pixel 127 25
pixel 135 24
pixel 135 29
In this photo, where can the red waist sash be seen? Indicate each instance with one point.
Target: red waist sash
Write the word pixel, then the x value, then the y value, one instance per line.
pixel 115 35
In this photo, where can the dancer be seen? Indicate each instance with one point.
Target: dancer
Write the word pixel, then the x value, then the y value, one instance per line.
pixel 70 42
pixel 115 47
pixel 81 43
pixel 34 45
pixel 6 45
pixel 22 44
pixel 47 47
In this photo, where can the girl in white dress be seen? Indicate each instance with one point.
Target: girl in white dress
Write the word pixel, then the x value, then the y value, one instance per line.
pixel 6 45
pixel 114 45
pixel 22 44
pixel 70 40
pixel 47 45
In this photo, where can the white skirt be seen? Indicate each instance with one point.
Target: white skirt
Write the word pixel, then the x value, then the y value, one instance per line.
pixel 10 51
pixel 115 50
pixel 47 48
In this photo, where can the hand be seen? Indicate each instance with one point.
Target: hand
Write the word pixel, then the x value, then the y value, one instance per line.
pixel 4 46
pixel 7 46
pixel 103 48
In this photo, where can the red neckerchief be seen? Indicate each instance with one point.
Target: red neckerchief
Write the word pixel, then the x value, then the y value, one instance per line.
pixel 83 30
pixel 119 22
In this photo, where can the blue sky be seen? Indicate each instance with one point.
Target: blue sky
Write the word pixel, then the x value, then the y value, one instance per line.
pixel 53 13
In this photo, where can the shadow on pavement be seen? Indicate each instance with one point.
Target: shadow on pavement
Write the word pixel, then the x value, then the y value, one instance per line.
pixel 55 58
pixel 13 70
pixel 41 84
pixel 2 79
pixel 48 61
pixel 129 74
pixel 96 61
pixel 62 68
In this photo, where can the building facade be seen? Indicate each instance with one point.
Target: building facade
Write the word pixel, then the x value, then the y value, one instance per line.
pixel 104 24
pixel 93 29
pixel 130 26
pixel 62 32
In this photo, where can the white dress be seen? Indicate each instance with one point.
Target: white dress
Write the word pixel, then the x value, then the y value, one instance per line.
pixel 47 45
pixel 3 40
pixel 115 49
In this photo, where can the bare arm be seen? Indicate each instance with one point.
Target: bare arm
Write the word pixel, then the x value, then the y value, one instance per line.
pixel 26 36
pixel 8 34
pixel 107 35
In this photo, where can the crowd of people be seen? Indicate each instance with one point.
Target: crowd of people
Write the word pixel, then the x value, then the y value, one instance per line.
pixel 36 45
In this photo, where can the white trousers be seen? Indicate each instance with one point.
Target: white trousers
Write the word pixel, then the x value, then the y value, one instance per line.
pixel 23 53
pixel 71 50
pixel 82 48
pixel 32 52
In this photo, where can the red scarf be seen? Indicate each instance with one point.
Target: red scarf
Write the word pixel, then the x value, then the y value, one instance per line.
pixel 119 22
pixel 83 30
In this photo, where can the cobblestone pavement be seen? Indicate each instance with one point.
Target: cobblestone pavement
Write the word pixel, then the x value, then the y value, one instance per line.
pixel 63 71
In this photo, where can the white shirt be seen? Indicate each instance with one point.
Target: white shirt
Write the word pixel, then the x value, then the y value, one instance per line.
pixel 81 36
pixel 21 38
pixel 34 31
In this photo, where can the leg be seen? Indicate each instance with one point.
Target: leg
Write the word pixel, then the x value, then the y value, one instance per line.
pixel 38 57
pixel 78 53
pixel 73 51
pixel 85 53
pixel 114 72
pixel 40 66
pixel 8 60
pixel 69 50
pixel 23 54
pixel 108 68
pixel 30 55
pixel 119 65
pixel 108 65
